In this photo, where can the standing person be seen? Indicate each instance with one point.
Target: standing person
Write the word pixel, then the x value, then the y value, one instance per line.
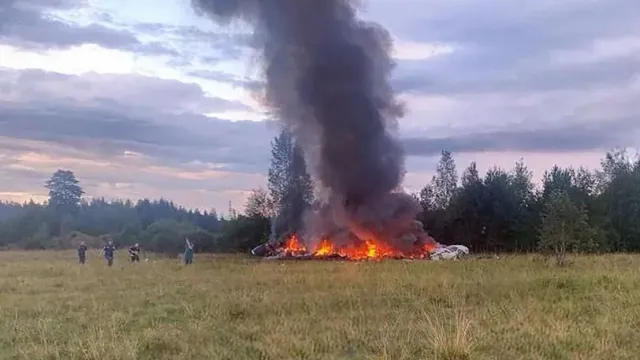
pixel 188 252
pixel 134 253
pixel 108 251
pixel 82 252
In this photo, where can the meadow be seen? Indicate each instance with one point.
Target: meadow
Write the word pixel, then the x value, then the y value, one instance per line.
pixel 235 307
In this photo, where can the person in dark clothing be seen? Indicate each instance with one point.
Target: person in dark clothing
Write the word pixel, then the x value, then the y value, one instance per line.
pixel 134 253
pixel 82 252
pixel 109 251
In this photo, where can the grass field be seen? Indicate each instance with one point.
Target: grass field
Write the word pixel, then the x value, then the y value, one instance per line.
pixel 241 308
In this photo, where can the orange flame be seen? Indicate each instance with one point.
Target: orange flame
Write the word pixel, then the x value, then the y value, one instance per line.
pixel 325 248
pixel 430 246
pixel 293 245
pixel 371 248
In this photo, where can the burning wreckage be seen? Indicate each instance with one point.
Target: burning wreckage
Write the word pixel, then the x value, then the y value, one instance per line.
pixel 327 82
pixel 419 245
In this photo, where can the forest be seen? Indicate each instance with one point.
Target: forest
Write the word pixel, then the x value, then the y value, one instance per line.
pixel 503 210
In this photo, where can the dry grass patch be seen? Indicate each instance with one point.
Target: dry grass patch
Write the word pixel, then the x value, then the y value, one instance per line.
pixel 240 308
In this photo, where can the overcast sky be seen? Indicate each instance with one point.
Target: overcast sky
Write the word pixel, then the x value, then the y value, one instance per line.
pixel 145 99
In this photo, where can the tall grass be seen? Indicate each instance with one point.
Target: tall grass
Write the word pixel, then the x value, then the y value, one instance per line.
pixel 241 308
pixel 450 338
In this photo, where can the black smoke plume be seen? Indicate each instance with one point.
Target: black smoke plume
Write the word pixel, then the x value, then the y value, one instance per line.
pixel 327 81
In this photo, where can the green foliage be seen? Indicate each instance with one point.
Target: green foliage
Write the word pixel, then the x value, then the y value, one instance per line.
pixel 500 211
pixel 445 182
pixel 259 204
pixel 564 227
pixel 168 235
pixel 161 226
pixel 290 185
pixel 158 226
pixel 504 211
pixel 619 186
pixel 437 196
pixel 281 153
pixel 243 234
pixel 65 192
pixel 34 226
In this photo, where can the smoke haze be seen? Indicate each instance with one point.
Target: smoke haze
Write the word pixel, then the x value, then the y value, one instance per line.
pixel 327 78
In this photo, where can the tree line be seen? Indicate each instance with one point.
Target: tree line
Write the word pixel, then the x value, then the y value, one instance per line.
pixel 67 218
pixel 574 209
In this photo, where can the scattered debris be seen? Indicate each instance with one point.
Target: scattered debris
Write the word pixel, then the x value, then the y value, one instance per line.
pixel 424 248
pixel 451 252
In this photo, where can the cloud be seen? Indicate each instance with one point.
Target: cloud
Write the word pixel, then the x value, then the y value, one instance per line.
pixel 524 76
pixel 558 139
pixel 33 25
pixel 491 81
pixel 162 119
pixel 127 136
pixel 195 43
pixel 523 27
pixel 128 90
pixel 537 78
pixel 110 114
pixel 506 46
pixel 195 185
pixel 238 146
pixel 236 81
pixel 554 121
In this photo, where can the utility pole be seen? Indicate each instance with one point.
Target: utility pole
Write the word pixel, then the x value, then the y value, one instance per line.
pixel 232 213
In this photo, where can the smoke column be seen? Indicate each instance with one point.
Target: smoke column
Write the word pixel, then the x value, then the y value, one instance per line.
pixel 327 81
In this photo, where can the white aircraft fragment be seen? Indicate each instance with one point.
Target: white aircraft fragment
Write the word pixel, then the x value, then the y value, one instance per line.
pixel 451 252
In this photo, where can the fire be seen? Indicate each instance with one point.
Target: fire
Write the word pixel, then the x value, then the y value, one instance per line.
pixel 372 250
pixel 294 245
pixel 404 239
pixel 430 245
pixel 369 249
pixel 324 248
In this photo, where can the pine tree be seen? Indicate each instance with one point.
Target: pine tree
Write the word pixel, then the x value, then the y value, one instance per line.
pixel 290 185
pixel 64 190
pixel 445 182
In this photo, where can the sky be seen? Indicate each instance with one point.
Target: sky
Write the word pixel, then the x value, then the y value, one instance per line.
pixel 148 99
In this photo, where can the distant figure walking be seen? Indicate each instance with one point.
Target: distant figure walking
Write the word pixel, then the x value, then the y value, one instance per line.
pixel 108 251
pixel 134 253
pixel 82 252
pixel 188 252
